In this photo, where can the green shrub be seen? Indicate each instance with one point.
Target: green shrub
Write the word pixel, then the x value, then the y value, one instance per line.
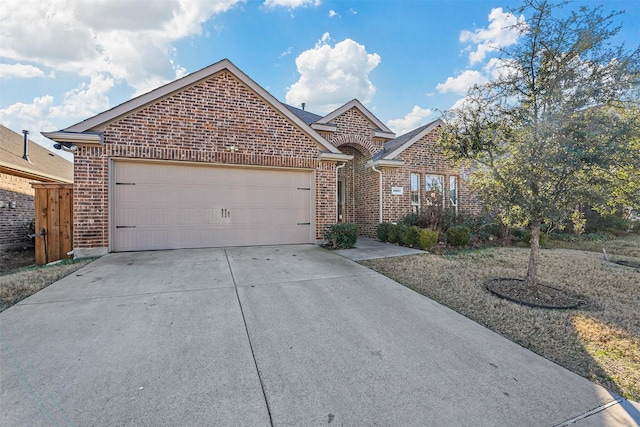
pixel 382 231
pixel 394 234
pixel 342 235
pixel 427 238
pixel 458 235
pixel 409 235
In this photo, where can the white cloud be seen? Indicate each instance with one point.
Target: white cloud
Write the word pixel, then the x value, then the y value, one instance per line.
pixel 461 83
pixel 131 41
pixel 292 4
pixel 501 32
pixel 332 76
pixel 8 71
pixel 414 119
pixel 286 52
pixel 333 13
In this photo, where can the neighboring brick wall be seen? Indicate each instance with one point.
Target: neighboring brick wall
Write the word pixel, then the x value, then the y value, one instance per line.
pixel 197 125
pixel 13 221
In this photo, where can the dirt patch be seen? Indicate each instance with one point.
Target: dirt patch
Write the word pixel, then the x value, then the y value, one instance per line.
pixel 541 296
pixel 15 259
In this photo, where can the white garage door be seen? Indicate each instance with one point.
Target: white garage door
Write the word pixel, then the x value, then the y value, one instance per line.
pixel 171 206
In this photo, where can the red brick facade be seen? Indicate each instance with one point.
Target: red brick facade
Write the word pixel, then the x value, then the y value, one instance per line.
pixel 15 191
pixel 197 125
pixel 225 119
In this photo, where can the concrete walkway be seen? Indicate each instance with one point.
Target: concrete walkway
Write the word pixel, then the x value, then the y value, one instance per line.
pixel 368 248
pixel 288 335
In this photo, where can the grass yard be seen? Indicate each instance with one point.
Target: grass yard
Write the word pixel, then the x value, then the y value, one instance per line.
pixel 20 277
pixel 599 341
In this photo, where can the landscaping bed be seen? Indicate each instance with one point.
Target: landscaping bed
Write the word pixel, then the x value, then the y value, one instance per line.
pixel 599 340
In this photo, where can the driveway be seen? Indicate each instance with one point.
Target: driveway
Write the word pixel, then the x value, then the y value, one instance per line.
pixel 283 335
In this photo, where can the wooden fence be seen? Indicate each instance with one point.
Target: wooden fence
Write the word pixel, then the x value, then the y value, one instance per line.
pixel 54 221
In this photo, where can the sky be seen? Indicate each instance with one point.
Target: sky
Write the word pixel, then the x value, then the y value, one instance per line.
pixel 62 61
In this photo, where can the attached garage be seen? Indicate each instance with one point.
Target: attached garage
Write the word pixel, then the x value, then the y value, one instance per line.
pixel 159 205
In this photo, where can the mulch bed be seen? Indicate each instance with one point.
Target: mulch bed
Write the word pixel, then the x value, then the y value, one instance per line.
pixel 541 296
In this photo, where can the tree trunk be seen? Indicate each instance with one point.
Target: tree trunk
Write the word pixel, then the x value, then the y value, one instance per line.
pixel 534 255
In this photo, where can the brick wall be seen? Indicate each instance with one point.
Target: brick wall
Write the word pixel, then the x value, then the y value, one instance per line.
pixel 13 221
pixel 197 125
pixel 425 157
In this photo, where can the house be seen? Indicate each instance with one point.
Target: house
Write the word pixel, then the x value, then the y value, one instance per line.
pixel 212 159
pixel 20 165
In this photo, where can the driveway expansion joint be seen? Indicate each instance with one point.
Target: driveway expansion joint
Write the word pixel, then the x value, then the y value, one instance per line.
pixel 591 412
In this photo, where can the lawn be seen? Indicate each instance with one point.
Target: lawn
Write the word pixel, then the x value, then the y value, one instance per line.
pixel 600 340
pixel 20 277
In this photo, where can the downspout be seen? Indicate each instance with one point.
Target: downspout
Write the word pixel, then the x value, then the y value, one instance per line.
pixel 380 196
pixel 337 183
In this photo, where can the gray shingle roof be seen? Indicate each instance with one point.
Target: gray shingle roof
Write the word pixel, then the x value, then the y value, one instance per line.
pixel 44 166
pixel 303 115
pixel 394 144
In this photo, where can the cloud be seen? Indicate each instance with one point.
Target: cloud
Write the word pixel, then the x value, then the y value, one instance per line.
pixel 414 119
pixel 333 13
pixel 461 83
pixel 286 52
pixel 131 41
pixel 8 71
pixel 332 76
pixel 291 4
pixel 502 31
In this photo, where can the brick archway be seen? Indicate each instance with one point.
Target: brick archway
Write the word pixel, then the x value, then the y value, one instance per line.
pixel 356 141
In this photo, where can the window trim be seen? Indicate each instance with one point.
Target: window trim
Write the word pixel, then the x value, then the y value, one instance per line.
pixel 454 203
pixel 442 189
pixel 415 205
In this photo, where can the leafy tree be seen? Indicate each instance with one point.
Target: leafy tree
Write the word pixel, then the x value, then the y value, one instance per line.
pixel 559 123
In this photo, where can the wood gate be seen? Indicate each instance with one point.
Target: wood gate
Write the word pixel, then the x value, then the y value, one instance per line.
pixel 54 221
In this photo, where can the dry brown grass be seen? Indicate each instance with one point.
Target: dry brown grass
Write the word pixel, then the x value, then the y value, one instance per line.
pixel 600 340
pixel 18 285
pixel 628 245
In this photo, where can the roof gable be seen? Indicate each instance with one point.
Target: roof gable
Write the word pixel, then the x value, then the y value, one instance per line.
pixel 44 165
pixel 99 121
pixel 394 147
pixel 354 103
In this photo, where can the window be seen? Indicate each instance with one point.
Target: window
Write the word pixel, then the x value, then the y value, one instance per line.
pixel 415 192
pixel 434 186
pixel 453 192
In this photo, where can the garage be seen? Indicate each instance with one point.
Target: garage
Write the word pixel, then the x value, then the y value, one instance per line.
pixel 174 206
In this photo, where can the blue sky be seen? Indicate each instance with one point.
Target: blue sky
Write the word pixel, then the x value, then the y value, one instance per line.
pixel 62 61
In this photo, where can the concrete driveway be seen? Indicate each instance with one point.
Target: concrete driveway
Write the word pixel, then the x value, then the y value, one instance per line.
pixel 286 335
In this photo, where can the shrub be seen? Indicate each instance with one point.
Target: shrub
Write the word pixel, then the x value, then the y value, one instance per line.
pixel 458 235
pixel 342 235
pixel 409 235
pixel 427 238
pixel 394 234
pixel 382 231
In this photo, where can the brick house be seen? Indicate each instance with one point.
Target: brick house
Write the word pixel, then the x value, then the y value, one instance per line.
pixel 16 175
pixel 213 159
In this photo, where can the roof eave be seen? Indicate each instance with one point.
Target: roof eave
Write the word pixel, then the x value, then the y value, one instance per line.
pixel 393 154
pixel 335 157
pixel 29 174
pixel 387 164
pixel 78 138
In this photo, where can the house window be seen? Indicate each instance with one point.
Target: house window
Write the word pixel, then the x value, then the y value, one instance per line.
pixel 453 192
pixel 415 192
pixel 434 187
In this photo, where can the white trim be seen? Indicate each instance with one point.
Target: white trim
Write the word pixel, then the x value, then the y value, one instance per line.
pixel 385 135
pixel 357 104
pixel 32 174
pixel 326 128
pixel 385 163
pixel 413 140
pixel 335 157
pixel 88 138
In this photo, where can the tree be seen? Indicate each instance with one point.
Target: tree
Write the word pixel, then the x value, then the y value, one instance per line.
pixel 559 124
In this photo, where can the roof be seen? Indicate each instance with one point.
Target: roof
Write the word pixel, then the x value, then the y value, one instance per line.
pixel 304 115
pixel 44 165
pixel 396 146
pixel 90 127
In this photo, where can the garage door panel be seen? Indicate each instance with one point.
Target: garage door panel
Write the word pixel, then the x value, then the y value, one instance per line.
pixel 161 206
